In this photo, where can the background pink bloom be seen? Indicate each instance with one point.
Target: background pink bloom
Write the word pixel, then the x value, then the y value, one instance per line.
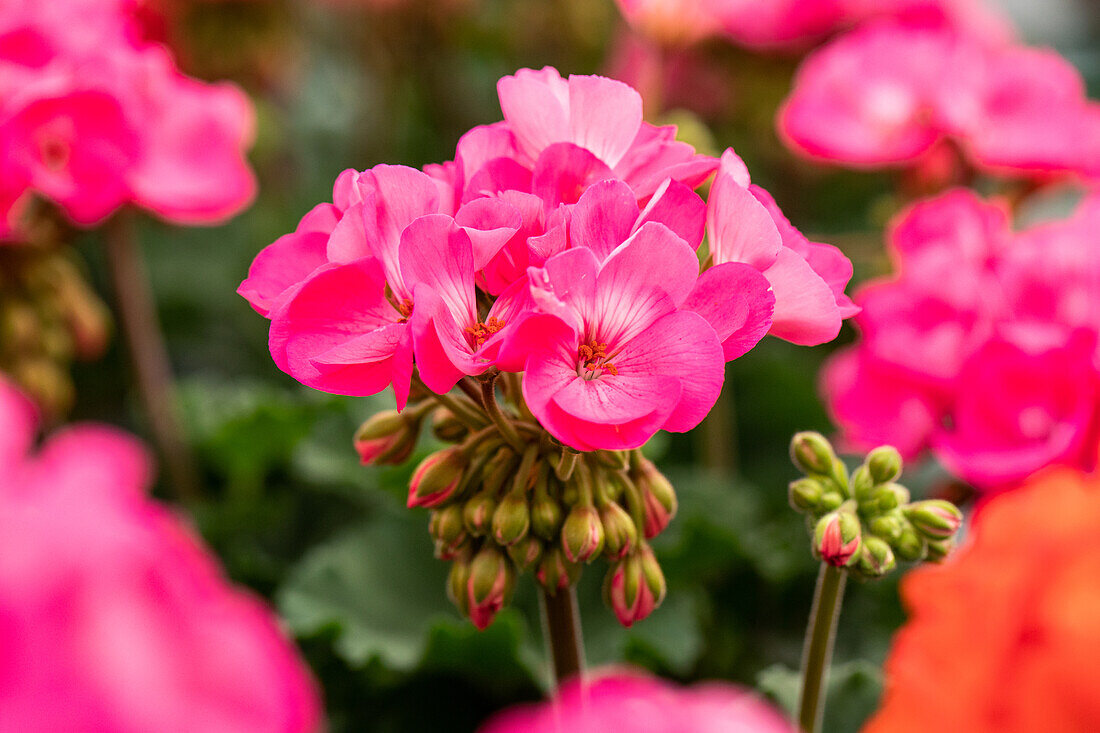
pixel 114 617
pixel 982 348
pixel 627 701
pixel 886 93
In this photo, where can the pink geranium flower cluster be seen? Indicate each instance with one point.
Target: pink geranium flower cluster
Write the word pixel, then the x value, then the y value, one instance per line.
pixel 895 94
pixel 781 24
pixel 93 117
pixel 560 243
pixel 628 701
pixel 113 617
pixel 983 348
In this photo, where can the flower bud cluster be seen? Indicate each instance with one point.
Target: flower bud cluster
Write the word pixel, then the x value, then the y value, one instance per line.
pixel 49 317
pixel 500 507
pixel 865 521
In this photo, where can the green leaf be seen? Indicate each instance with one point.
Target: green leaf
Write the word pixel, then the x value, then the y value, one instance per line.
pixel 852 693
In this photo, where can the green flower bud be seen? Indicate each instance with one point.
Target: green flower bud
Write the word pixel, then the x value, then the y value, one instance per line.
pixel 830 500
pixel 812 453
pixel 909 545
pixel 489 586
pixel 437 477
pixel 888 526
pixel 862 483
pixel 884 464
pixel 526 553
pixel 620 534
pixel 938 550
pixel 448 529
pixel 456 585
pixel 555 571
pixel 546 516
pixel 512 518
pixel 875 557
pixel 477 514
pixel 837 538
pixel 936 519
pixel 447 427
pixel 385 438
pixel 582 534
pixel 805 494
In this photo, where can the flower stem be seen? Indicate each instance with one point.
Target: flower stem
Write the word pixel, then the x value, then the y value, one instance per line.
pixel 561 627
pixel 489 398
pixel 148 354
pixel 819 646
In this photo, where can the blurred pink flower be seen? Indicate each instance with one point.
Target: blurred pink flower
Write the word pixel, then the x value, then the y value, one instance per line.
pixel 983 348
pixel 628 701
pixel 93 117
pixel 114 616
pixel 889 93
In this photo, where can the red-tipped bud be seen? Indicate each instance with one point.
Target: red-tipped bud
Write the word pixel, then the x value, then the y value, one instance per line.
pixel 582 534
pixel 936 519
pixel 555 571
pixel 526 553
pixel 436 478
pixel 837 538
pixel 658 497
pixel 511 519
pixel 620 536
pixel 489 587
pixel 635 586
pixel 875 557
pixel 385 438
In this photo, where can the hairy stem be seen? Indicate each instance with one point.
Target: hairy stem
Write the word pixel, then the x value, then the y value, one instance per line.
pixel 561 626
pixel 489 399
pixel 149 355
pixel 819 646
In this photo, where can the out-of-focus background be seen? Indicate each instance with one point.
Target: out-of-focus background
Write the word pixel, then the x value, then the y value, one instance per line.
pixel 350 83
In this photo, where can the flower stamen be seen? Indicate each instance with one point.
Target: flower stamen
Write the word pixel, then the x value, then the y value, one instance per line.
pixel 481 331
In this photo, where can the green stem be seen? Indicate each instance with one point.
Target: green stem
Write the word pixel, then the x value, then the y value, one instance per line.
pixel 819 646
pixel 507 430
pixel 561 627
pixel 458 407
pixel 148 354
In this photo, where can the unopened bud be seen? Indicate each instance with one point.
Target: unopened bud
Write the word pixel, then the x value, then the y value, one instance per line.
pixel 555 571
pixel 936 519
pixel 888 526
pixel 812 453
pixel 447 427
pixel 658 497
pixel 384 438
pixel 875 557
pixel 635 586
pixel 489 587
pixel 582 535
pixel 546 515
pixel 434 481
pixel 862 483
pixel 619 533
pixel 477 513
pixel 909 545
pixel 526 553
pixel 884 464
pixel 938 550
pixel 890 496
pixel 837 538
pixel 512 518
pixel 448 529
pixel 457 580
pixel 831 500
pixel 805 494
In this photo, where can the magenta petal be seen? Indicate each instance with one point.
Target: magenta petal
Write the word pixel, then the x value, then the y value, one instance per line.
pixel 348 240
pixel 436 252
pixel 603 218
pixel 499 174
pixel 563 172
pixel 739 228
pixel 393 196
pixel 680 346
pixel 490 223
pixel 443 355
pixel 604 116
pixel 678 208
pixel 736 300
pixel 361 365
pixel 330 309
pixel 483 144
pixel 632 292
pixel 18 423
pixel 536 108
pixel 289 260
pixel 806 310
pixel 566 286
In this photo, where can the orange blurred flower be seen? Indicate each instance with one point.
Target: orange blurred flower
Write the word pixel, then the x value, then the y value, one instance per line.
pixel 1006 637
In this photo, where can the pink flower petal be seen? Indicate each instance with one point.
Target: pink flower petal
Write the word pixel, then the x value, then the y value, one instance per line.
pixel 563 172
pixel 739 228
pixel 603 217
pixel 678 208
pixel 736 300
pixel 806 310
pixel 436 252
pixel 604 116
